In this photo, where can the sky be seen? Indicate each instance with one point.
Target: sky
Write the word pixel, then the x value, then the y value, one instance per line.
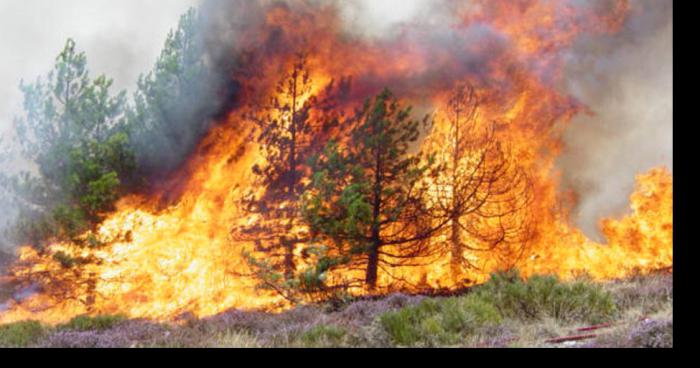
pixel 121 39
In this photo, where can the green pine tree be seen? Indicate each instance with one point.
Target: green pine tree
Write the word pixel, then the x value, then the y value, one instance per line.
pixel 174 103
pixel 366 202
pixel 73 130
pixel 74 134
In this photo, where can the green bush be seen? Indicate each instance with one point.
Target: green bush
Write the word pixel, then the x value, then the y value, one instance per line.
pixel 324 335
pixel 546 296
pixel 87 323
pixel 21 334
pixel 438 322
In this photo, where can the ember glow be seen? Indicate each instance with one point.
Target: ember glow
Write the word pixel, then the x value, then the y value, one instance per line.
pixel 175 251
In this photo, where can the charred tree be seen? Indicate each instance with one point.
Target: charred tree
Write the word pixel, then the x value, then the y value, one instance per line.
pixel 481 188
pixel 287 135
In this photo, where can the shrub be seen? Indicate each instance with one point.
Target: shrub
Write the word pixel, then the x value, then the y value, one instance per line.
pixel 236 340
pixel 652 334
pixel 324 335
pixel 87 323
pixel 546 296
pixel 438 322
pixel 21 334
pixel 649 294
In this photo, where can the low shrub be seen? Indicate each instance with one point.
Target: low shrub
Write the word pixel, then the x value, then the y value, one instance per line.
pixel 438 321
pixel 323 335
pixel 235 340
pixel 88 323
pixel 652 334
pixel 21 334
pixel 547 296
pixel 649 294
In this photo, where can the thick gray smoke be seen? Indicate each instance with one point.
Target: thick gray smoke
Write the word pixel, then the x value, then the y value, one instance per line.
pixel 627 81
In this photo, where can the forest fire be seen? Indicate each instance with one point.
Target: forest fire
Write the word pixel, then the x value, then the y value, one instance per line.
pixel 497 111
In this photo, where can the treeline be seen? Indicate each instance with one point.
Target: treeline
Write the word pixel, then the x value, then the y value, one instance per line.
pixel 84 145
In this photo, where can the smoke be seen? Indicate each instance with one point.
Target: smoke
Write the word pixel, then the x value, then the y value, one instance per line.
pixel 383 19
pixel 627 81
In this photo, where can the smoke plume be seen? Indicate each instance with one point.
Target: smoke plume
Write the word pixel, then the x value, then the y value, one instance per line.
pixel 627 82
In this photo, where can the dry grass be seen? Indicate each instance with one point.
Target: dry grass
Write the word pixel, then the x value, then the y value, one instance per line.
pixel 235 340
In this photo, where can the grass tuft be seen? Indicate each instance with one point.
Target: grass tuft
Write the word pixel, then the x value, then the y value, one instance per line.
pixel 323 336
pixel 546 296
pixel 21 334
pixel 88 323
pixel 438 322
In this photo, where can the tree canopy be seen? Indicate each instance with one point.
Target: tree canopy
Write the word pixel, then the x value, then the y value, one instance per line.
pixel 74 132
pixel 365 204
pixel 175 102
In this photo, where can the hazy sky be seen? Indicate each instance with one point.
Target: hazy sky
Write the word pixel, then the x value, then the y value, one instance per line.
pixel 121 38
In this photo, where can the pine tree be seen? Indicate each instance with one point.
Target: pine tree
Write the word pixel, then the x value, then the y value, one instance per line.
pixel 366 202
pixel 287 136
pixel 74 131
pixel 175 103
pixel 481 189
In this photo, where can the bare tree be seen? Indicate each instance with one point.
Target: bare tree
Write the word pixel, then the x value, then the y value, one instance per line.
pixel 482 188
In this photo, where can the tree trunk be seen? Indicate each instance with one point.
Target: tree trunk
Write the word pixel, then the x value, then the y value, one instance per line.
pixel 91 292
pixel 373 260
pixel 290 243
pixel 289 266
pixel 455 252
pixel 456 249
pixel 373 265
